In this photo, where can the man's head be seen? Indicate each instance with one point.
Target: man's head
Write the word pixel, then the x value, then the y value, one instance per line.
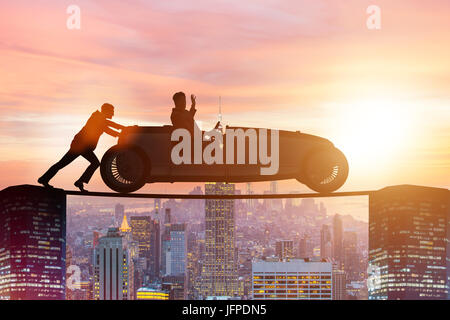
pixel 108 110
pixel 179 99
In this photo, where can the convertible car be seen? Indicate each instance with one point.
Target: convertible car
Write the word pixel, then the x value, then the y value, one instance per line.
pixel 143 155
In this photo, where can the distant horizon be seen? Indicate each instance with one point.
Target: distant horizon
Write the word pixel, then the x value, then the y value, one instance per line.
pixel 356 206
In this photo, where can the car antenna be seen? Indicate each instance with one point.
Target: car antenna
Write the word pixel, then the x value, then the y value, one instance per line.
pixel 220 108
pixel 220 128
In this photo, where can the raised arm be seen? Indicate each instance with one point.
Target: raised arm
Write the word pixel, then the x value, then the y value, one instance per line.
pixel 193 110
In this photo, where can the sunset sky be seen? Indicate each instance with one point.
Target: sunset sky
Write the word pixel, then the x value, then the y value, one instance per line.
pixel 382 96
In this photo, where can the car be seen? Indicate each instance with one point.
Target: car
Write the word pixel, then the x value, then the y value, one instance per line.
pixel 144 155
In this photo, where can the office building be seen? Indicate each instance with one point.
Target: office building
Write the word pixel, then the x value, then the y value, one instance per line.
pixel 155 249
pixel 140 233
pixel 351 257
pixel 176 254
pixel 408 243
pixel 82 290
pixel 119 211
pixel 110 268
pixel 152 293
pixel 338 234
pixel 339 285
pixel 284 249
pixel 305 248
pixel 165 241
pixel 32 243
pixel 176 286
pixel 146 233
pixel 125 231
pixel 297 279
pixel 219 274
pixel 325 242
pixel 124 226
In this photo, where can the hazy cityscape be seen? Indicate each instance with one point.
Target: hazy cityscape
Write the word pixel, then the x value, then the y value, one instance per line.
pixel 207 249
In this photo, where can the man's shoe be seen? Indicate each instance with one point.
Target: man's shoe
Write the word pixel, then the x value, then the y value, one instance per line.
pixel 44 183
pixel 80 185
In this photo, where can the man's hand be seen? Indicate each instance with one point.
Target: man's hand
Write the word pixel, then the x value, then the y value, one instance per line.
pixel 193 97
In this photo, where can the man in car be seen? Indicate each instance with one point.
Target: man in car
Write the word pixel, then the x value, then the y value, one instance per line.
pixel 180 117
pixel 84 144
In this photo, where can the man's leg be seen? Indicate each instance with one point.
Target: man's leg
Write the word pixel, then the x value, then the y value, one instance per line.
pixel 92 158
pixel 65 160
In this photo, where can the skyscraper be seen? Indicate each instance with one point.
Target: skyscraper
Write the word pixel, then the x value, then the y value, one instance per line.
pixel 408 243
pixel 322 210
pixel 140 231
pixel 195 245
pixel 157 204
pixel 124 227
pixel 118 213
pixel 250 202
pixel 110 268
pixel 125 231
pixel 351 258
pixel 337 239
pixel 32 243
pixel 196 207
pixel 155 249
pixel 284 249
pixel 325 242
pixel 95 236
pixel 275 204
pixel 177 249
pixel 69 291
pixel 305 247
pixel 146 233
pixel 219 274
pixel 165 241
pixel 339 285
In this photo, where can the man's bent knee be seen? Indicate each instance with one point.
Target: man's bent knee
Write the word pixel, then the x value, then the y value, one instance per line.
pixel 95 163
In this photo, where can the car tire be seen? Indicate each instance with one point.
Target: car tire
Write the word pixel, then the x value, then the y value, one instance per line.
pixel 324 170
pixel 124 169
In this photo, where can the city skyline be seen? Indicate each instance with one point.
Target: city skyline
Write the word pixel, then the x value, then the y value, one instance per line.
pixel 334 116
pixel 228 250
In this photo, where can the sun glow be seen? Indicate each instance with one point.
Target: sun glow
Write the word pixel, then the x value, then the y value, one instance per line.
pixel 375 132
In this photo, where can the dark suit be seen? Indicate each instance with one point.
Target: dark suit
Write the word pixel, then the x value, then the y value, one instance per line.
pixel 182 118
pixel 84 144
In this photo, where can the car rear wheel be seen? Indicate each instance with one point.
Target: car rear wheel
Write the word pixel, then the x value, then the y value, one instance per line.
pixel 325 170
pixel 124 169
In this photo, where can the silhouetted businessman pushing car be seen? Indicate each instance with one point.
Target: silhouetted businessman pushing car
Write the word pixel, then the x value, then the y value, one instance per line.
pixel 84 144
